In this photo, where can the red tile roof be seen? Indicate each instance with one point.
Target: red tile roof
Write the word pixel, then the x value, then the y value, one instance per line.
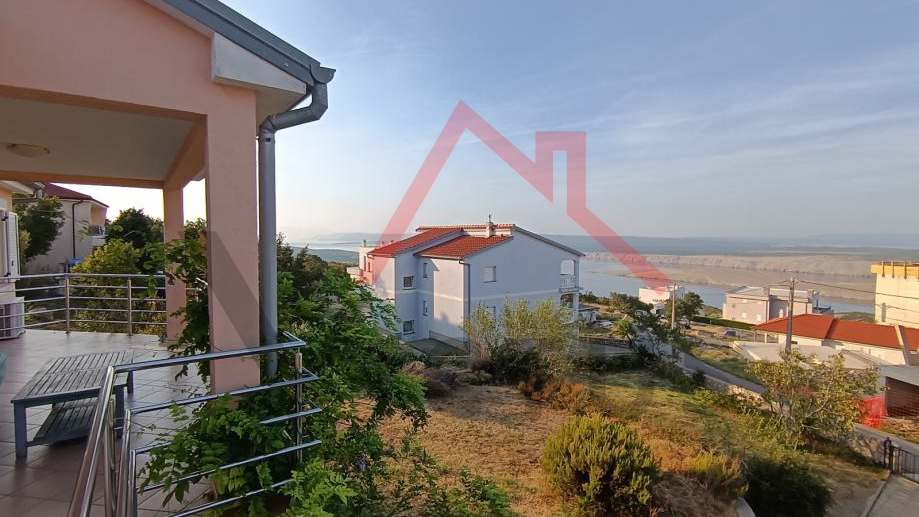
pixel 391 250
pixel 820 326
pixel 463 246
pixel 58 191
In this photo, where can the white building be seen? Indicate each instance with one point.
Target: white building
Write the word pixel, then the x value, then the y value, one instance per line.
pixel 896 297
pixel 83 230
pixel 658 300
pixel 760 304
pixel 880 344
pixel 438 276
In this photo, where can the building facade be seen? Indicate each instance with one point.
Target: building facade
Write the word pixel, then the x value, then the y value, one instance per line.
pixel 885 344
pixel 83 230
pixel 437 277
pixel 760 304
pixel 896 294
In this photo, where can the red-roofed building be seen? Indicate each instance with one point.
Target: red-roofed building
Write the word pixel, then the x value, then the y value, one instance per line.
pixel 437 276
pixel 83 230
pixel 888 344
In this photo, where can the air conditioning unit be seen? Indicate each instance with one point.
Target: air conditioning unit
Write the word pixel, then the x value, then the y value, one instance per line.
pixel 12 320
pixel 9 246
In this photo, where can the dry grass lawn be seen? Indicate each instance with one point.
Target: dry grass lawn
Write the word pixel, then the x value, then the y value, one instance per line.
pixel 496 432
pixel 493 431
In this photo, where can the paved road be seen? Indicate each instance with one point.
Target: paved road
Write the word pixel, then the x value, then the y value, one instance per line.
pixel 692 363
pixel 898 498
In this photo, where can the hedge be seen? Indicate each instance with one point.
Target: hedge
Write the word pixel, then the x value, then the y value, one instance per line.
pixel 722 322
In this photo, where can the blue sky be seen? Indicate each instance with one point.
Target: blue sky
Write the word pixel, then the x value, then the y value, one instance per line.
pixel 725 118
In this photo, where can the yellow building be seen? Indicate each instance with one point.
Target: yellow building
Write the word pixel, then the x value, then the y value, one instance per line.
pixel 896 295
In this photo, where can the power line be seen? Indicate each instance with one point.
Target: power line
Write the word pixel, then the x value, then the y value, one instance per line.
pixel 858 290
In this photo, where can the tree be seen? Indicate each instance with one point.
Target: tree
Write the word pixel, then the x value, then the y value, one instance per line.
pixel 42 219
pixel 138 229
pixel 813 397
pixel 481 329
pixel 134 226
pixel 627 304
pixel 546 329
pixel 686 307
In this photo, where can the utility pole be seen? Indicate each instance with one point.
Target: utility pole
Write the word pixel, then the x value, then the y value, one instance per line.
pixel 673 306
pixel 790 314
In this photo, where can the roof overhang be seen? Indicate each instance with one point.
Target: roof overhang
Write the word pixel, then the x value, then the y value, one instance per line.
pixel 105 143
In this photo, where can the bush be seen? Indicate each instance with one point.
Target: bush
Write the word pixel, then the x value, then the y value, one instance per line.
pixel 722 322
pixel 480 364
pixel 574 397
pixel 611 364
pixel 785 489
pixel 437 382
pixel 511 365
pixel 539 386
pixel 720 474
pixel 561 394
pixel 600 467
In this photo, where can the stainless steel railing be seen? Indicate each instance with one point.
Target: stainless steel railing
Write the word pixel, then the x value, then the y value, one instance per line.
pixel 93 301
pixel 119 478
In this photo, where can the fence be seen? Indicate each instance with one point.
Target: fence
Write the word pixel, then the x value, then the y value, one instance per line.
pixel 92 301
pixel 118 474
pixel 900 461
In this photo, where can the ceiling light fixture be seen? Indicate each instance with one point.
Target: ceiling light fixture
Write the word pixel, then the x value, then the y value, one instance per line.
pixel 27 150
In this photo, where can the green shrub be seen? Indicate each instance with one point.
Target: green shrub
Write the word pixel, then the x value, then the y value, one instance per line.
pixel 720 474
pixel 785 489
pixel 511 365
pixel 722 322
pixel 600 467
pixel 610 364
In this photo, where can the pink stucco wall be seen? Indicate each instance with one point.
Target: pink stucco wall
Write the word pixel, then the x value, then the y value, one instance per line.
pixel 127 55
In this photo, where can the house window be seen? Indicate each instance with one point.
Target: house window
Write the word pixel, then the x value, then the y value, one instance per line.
pixel 424 268
pixel 408 327
pixel 489 274
pixel 759 317
pixel 408 282
pixel 743 315
pixel 494 311
pixel 368 262
pixel 424 307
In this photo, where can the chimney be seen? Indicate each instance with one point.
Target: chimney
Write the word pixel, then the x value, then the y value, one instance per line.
pixel 489 227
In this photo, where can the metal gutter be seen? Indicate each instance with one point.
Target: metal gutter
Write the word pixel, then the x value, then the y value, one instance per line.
pixel 254 38
pixel 267 212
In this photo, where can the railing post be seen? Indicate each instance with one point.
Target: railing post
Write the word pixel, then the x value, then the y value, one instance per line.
pixel 130 307
pixel 67 301
pixel 298 366
pixel 108 461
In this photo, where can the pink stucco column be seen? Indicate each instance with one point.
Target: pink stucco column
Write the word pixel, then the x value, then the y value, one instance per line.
pixel 232 211
pixel 173 227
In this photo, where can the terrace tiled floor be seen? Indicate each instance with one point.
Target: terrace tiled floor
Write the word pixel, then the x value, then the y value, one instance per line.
pixel 41 485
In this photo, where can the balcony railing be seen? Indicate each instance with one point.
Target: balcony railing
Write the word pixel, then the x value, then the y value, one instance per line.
pixel 119 478
pixel 568 283
pixel 91 301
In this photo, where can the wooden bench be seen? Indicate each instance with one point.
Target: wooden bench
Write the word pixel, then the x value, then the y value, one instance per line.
pixel 71 386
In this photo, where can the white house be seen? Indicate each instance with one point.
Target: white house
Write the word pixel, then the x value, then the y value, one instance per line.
pixel 438 276
pixel 83 230
pixel 882 344
pixel 658 300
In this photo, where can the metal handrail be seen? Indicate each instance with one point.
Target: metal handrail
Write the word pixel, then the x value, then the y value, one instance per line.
pixel 68 296
pixel 121 496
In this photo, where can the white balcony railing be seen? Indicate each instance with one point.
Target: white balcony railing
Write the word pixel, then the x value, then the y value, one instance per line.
pixel 568 283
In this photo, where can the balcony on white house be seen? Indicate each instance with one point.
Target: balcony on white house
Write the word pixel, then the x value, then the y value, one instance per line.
pixel 568 283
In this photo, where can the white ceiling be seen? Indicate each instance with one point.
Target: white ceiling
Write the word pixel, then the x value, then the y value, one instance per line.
pixel 88 141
